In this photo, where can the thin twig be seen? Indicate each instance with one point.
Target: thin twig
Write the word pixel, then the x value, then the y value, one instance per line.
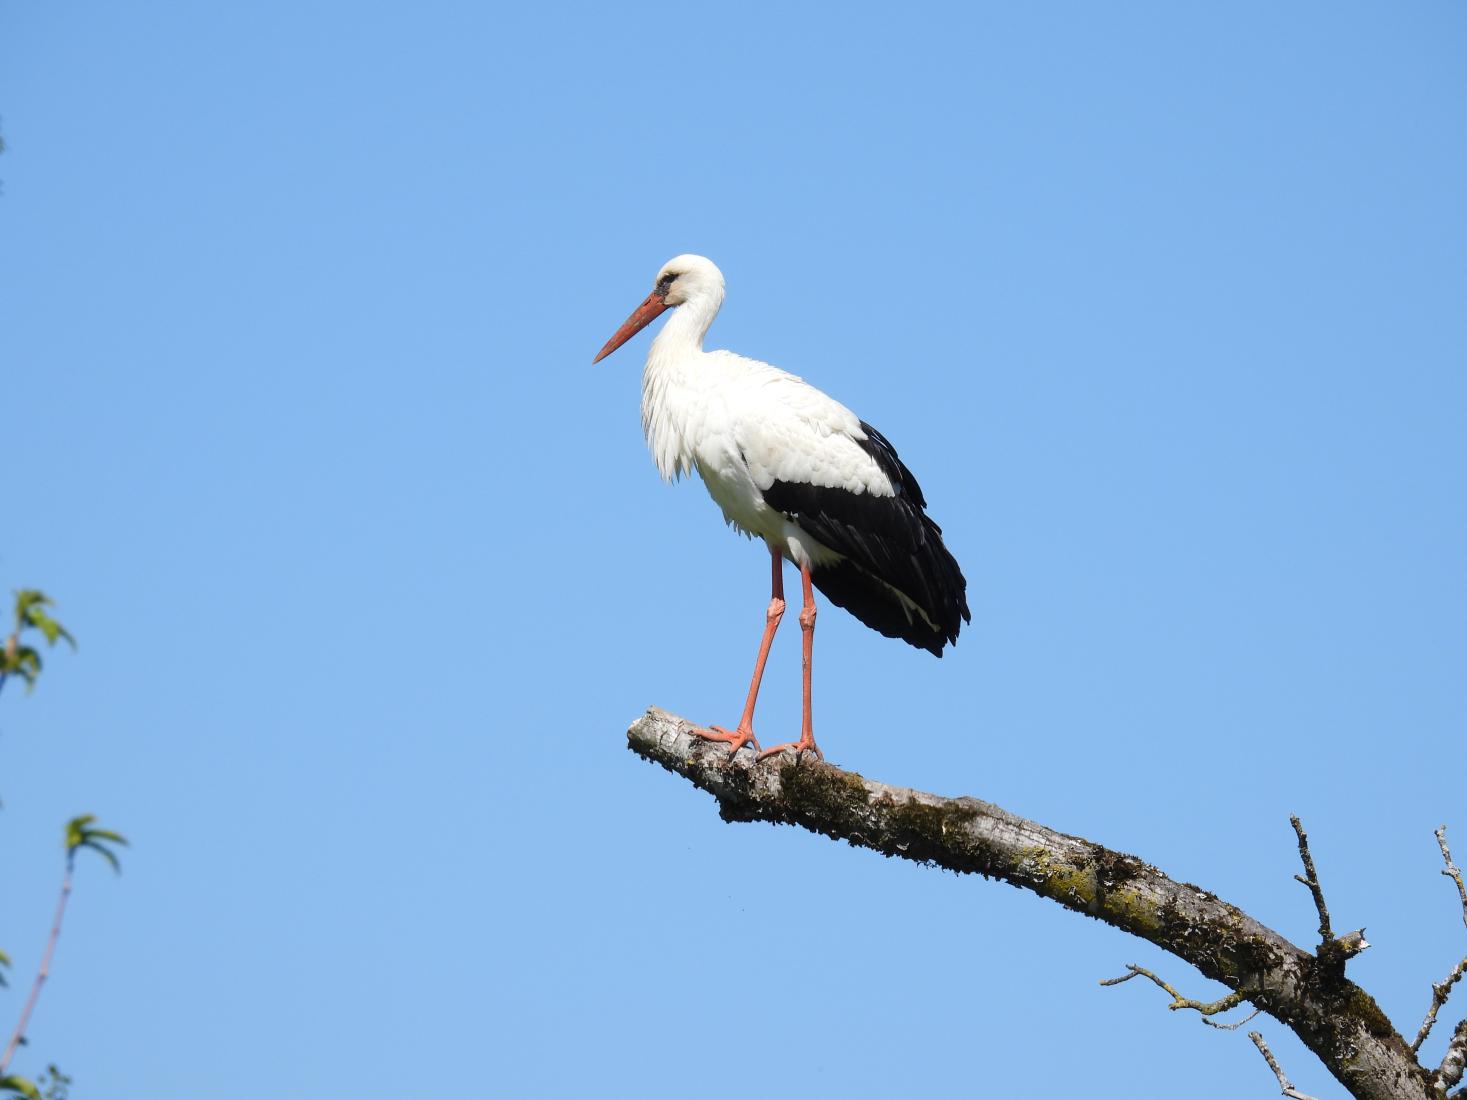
pixel 1285 1085
pixel 1205 1008
pixel 1325 935
pixel 1248 1019
pixel 1439 993
pixel 1441 990
pixel 1452 871
pixel 30 1002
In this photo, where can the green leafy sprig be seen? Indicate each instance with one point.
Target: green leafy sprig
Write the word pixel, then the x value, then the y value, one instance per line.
pixel 31 614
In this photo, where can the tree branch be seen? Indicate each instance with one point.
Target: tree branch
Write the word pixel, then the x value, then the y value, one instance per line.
pixel 1325 934
pixel 1206 1009
pixel 1441 990
pixel 1285 1085
pixel 1335 1018
pixel 18 1035
pixel 1451 870
pixel 1439 993
pixel 1450 1071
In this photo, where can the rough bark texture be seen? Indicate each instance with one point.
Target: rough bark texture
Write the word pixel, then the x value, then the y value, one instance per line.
pixel 1306 991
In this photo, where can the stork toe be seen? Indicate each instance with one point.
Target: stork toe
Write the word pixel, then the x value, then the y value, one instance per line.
pixel 735 740
pixel 802 746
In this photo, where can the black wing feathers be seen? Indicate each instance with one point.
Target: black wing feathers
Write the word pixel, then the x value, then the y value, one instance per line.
pixel 879 447
pixel 888 542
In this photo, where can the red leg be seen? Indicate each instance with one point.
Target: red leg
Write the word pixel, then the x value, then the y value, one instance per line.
pixel 744 735
pixel 806 743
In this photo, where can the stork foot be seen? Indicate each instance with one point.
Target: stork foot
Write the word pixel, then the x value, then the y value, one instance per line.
pixel 805 744
pixel 735 740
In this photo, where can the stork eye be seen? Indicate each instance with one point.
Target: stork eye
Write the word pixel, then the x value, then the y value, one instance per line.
pixel 666 281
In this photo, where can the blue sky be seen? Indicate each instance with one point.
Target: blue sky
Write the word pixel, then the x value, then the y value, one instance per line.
pixel 371 570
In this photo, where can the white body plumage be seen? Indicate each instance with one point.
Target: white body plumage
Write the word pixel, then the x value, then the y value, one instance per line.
pixel 742 425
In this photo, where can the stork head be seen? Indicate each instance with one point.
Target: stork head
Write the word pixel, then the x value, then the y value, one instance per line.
pixel 682 279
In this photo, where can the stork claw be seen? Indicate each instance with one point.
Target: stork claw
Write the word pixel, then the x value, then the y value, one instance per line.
pixel 803 745
pixel 736 740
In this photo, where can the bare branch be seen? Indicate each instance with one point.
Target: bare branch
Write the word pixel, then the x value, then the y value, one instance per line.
pixel 1325 935
pixel 1235 1024
pixel 1310 994
pixel 1452 871
pixel 1450 1071
pixel 18 1035
pixel 1439 993
pixel 1205 1008
pixel 1441 990
pixel 1285 1085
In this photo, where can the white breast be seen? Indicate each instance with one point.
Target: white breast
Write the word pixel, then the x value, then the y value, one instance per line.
pixel 743 425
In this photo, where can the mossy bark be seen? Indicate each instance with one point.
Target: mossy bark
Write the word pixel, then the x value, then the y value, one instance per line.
pixel 1335 1018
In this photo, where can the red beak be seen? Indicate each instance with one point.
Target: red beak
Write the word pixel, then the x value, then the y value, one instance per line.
pixel 641 317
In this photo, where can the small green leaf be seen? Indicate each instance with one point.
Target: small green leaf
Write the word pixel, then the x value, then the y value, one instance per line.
pixel 27 598
pixel 80 834
pixel 76 829
pixel 31 614
pixel 21 1086
pixel 49 627
pixel 25 662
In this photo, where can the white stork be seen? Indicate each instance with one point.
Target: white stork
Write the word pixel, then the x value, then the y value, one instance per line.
pixel 791 466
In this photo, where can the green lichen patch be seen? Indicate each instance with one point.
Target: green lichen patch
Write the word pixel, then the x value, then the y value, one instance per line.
pixel 822 794
pixel 1346 1000
pixel 1060 880
pixel 1363 1005
pixel 927 832
pixel 1132 910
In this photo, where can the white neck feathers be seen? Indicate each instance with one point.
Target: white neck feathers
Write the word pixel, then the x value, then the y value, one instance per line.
pixel 671 398
pixel 689 323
